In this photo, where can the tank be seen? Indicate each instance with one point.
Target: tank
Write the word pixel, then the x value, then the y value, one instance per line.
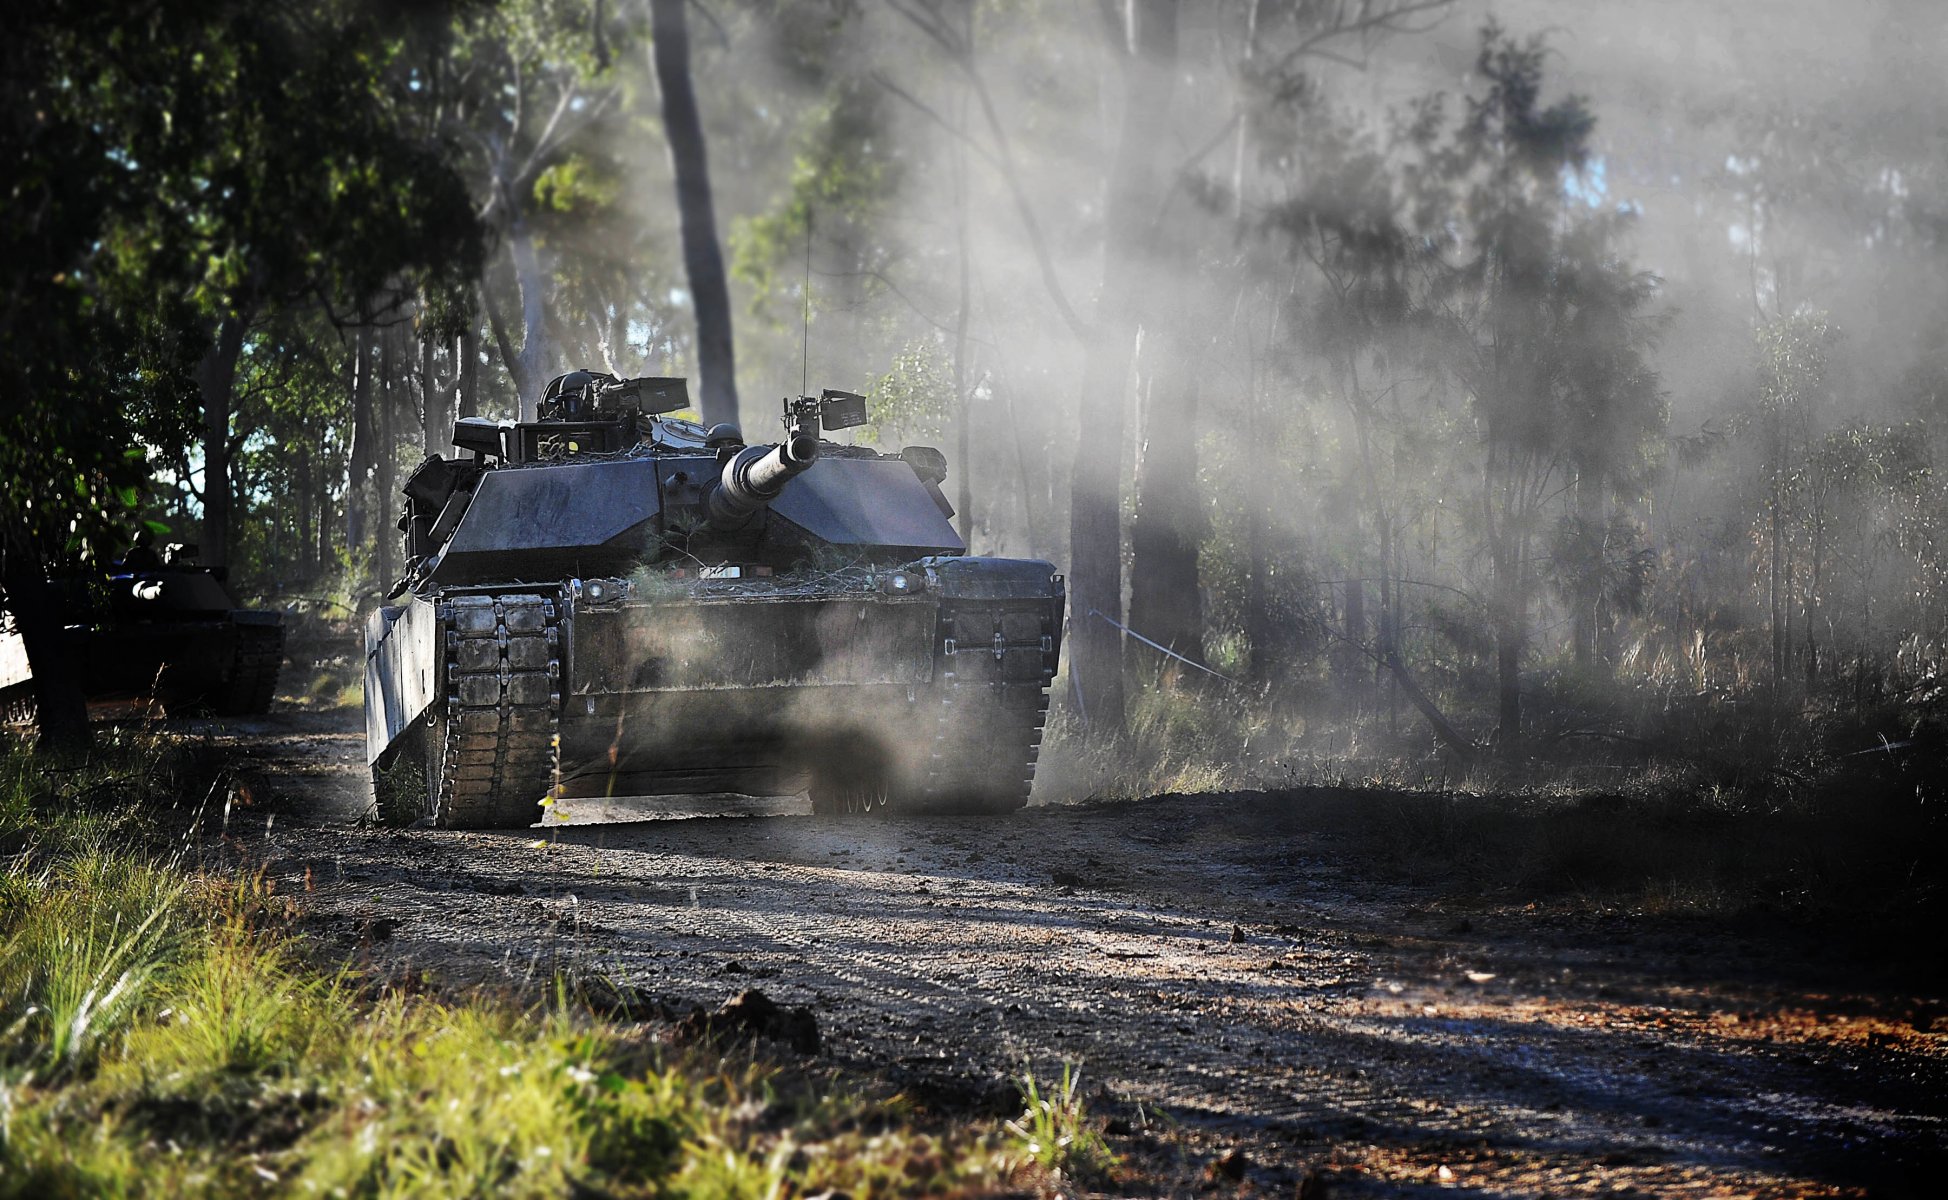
pixel 614 601
pixel 156 627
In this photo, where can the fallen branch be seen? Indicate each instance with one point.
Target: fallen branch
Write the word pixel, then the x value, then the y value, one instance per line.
pixel 1444 730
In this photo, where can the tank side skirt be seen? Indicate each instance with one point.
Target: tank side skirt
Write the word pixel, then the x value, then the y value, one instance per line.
pixel 503 681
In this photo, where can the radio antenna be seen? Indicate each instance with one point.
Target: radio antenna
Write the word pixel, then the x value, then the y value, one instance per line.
pixel 805 330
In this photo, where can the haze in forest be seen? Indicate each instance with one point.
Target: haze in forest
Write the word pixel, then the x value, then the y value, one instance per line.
pixel 1449 371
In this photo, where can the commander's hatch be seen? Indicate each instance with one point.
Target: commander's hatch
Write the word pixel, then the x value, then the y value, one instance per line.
pixel 583 412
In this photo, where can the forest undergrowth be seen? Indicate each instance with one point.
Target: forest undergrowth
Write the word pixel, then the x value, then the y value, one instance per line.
pixel 1624 796
pixel 168 1029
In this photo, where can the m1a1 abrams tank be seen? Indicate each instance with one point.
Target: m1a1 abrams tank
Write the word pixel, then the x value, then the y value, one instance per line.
pixel 612 601
pixel 156 626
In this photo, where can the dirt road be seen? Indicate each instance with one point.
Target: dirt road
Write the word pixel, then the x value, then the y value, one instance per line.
pixel 1227 975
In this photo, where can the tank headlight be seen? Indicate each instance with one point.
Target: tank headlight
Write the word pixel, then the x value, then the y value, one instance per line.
pixel 605 591
pixel 903 583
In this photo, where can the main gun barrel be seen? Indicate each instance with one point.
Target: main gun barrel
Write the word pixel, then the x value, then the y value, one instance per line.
pixel 754 476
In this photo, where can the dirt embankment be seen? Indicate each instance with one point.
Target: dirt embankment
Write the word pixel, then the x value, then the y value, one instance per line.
pixel 1232 973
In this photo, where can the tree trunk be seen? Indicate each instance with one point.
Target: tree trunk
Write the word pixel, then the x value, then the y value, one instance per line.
pixel 364 454
pixel 1589 585
pixel 1351 662
pixel 216 377
pixel 301 483
pixel 1511 632
pixel 322 482
pixel 385 477
pixel 466 375
pixel 703 258
pixel 530 368
pixel 1168 527
pixel 1775 594
pixel 1095 510
pixel 62 707
pixel 435 423
pixel 963 403
pixel 1257 466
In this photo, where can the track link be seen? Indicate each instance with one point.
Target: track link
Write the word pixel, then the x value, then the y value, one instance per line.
pixel 19 708
pixel 502 709
pixel 990 703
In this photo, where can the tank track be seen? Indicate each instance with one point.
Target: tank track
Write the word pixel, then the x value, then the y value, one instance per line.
pixel 254 671
pixel 18 706
pixel 990 703
pixel 498 725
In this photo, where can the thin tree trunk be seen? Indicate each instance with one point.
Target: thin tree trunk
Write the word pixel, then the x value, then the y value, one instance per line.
pixel 1511 630
pixel 1351 666
pixel 466 375
pixel 1589 589
pixel 1168 526
pixel 1510 608
pixel 364 455
pixel 1257 614
pixel 1095 510
pixel 435 426
pixel 537 356
pixel 385 476
pixel 303 478
pixel 1355 399
pixel 1775 598
pixel 503 345
pixel 216 377
pixel 963 416
pixel 616 340
pixel 323 527
pixel 703 257
pixel 62 707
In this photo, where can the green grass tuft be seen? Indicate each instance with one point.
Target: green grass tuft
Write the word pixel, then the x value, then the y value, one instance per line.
pixel 1055 1132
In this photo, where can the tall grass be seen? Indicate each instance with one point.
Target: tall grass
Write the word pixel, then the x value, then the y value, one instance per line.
pixel 166 1032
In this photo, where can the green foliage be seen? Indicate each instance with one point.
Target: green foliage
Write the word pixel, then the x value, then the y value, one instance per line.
pixel 841 178
pixel 913 401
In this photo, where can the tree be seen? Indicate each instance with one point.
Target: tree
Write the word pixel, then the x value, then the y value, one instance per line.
pixel 1095 495
pixel 1540 318
pixel 523 92
pixel 218 162
pixel 1279 111
pixel 703 256
pixel 90 361
pixel 299 187
pixel 1792 371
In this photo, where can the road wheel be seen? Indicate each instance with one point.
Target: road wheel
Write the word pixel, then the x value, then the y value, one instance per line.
pixel 849 779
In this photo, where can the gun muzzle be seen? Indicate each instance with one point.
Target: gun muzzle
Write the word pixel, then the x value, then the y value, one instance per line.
pixel 753 478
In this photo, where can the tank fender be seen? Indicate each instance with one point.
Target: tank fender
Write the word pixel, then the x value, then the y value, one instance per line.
pixel 1011 606
pixel 957 578
pixel 402 655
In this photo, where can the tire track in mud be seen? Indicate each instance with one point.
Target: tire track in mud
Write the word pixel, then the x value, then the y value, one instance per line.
pixel 1343 1026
